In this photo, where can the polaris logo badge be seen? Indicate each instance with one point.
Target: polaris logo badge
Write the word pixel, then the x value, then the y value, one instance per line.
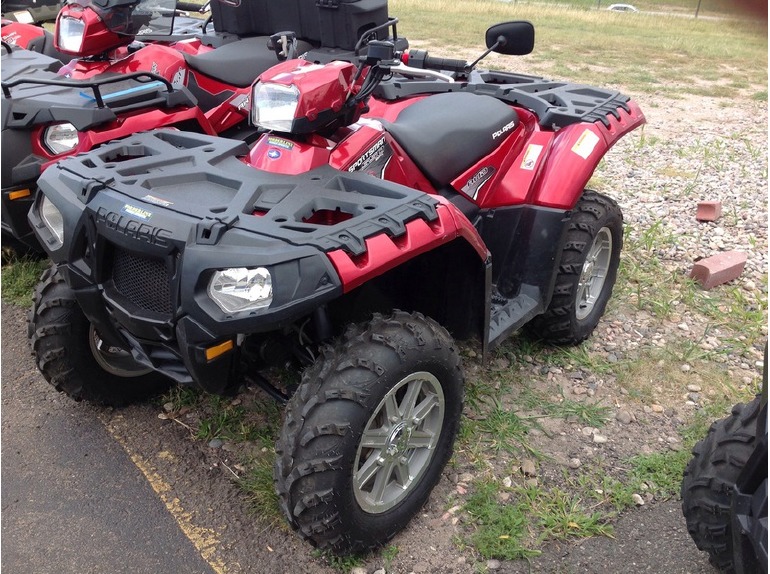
pixel 131 228
pixel 506 128
pixel 472 187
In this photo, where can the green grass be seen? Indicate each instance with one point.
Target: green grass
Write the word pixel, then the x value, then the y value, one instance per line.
pixel 532 516
pixel 586 413
pixel 228 419
pixel 660 472
pixel 257 483
pixel 19 277
pixel 343 564
pixel 500 531
pixel 640 52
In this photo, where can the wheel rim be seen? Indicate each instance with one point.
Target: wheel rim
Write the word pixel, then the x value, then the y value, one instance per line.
pixel 594 273
pixel 114 360
pixel 398 442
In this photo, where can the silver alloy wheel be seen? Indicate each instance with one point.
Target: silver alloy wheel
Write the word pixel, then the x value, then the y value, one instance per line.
pixel 594 273
pixel 398 442
pixel 114 360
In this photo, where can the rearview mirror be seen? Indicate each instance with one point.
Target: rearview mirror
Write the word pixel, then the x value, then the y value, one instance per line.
pixel 512 38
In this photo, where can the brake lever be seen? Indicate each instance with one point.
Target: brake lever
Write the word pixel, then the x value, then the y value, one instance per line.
pixel 405 70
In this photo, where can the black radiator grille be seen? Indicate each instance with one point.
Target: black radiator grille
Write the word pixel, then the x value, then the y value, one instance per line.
pixel 145 282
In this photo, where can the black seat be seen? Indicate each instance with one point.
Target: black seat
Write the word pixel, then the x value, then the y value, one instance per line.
pixel 238 63
pixel 445 134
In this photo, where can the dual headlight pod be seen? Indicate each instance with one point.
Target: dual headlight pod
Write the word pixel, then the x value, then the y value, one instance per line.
pixel 241 289
pixel 60 138
pixel 71 32
pixel 274 106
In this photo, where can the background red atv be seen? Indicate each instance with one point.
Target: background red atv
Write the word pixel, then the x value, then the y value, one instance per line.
pixel 117 87
pixel 23 27
pixel 393 202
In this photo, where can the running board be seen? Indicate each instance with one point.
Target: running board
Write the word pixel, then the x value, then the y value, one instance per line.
pixel 508 315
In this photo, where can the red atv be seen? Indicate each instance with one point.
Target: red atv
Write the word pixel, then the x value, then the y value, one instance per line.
pixel 22 25
pixel 392 202
pixel 116 87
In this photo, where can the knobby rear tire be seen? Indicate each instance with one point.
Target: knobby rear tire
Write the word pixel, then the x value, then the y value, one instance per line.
pixel 568 320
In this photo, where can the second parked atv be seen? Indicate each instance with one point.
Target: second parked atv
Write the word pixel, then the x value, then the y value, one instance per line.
pixel 724 490
pixel 389 204
pixel 116 86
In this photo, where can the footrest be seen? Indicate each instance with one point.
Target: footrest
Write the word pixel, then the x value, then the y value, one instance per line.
pixel 510 314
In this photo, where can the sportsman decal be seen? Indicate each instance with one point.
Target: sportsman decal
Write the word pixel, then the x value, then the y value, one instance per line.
pixel 374 160
pixel 472 187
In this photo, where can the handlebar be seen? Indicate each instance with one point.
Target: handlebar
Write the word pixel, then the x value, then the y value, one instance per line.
pixel 421 59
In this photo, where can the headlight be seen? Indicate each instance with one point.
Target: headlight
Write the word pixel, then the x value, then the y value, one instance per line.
pixel 71 34
pixel 273 106
pixel 60 138
pixel 52 218
pixel 241 289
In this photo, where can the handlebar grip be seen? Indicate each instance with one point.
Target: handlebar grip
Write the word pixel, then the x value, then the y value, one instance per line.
pixel 189 6
pixel 449 64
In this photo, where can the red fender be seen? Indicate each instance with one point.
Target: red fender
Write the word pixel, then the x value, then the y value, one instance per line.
pixel 574 154
pixel 384 253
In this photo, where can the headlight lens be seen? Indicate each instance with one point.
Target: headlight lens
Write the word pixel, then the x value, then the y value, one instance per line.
pixel 60 138
pixel 241 289
pixel 52 218
pixel 273 106
pixel 71 34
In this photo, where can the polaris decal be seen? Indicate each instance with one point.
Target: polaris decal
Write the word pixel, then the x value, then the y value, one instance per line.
pixel 503 130
pixel 280 142
pixel 136 211
pixel 472 187
pixel 374 160
pixel 132 228
pixel 273 153
pixel 531 156
pixel 585 144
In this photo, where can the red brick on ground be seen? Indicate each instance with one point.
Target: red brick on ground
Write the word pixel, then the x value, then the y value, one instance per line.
pixel 709 211
pixel 719 268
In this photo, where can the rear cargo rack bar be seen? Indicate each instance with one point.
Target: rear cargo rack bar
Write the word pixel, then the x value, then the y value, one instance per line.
pixel 142 77
pixel 368 34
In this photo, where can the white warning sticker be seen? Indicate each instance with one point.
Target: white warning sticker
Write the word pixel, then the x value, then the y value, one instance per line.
pixel 530 157
pixel 585 144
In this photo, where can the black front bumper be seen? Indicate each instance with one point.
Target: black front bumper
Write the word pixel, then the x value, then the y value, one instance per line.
pixel 148 221
pixel 144 287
